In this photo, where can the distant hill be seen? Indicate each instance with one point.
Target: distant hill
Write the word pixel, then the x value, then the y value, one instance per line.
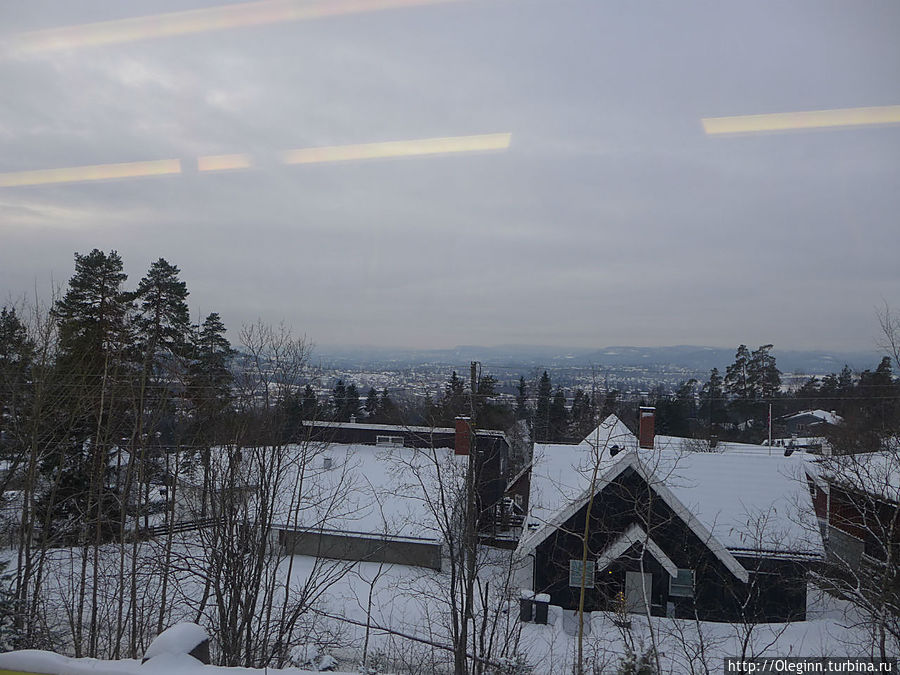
pixel 697 359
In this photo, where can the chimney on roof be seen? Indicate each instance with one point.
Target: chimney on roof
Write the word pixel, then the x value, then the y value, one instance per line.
pixel 463 440
pixel 352 419
pixel 646 430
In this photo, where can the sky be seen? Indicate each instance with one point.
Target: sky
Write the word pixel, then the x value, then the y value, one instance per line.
pixel 610 218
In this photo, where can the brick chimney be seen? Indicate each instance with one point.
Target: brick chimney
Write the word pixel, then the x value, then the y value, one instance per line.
pixel 463 440
pixel 646 431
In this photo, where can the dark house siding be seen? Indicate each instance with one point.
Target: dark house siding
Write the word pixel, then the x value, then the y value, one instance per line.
pixel 718 594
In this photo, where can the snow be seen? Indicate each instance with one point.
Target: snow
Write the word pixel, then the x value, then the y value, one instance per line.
pixel 35 661
pixel 181 638
pixel 379 491
pixel 874 473
pixel 425 431
pixel 744 499
pixel 412 601
pixel 366 490
pixel 829 417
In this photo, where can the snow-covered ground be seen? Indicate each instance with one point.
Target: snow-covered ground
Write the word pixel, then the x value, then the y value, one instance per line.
pixel 393 614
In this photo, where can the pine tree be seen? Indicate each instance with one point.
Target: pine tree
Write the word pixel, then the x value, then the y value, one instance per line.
pixel 209 379
pixel 712 399
pixel 583 413
pixel 163 322
pixel 338 401
pixel 490 413
pixel 522 400
pixel 388 410
pixel 737 375
pixel 16 359
pixel 310 406
pixel 542 409
pixel 95 346
pixel 559 416
pixel 764 378
pixel 162 336
pixel 455 401
pixel 371 406
pixel 610 404
pixel 351 403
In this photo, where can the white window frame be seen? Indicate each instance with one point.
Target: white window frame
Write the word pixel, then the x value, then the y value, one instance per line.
pixel 575 573
pixel 680 590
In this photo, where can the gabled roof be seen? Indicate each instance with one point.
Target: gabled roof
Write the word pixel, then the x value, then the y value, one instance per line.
pixel 731 499
pixel 635 534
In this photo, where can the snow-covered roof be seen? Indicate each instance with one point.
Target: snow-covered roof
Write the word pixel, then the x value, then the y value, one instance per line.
pixel 742 498
pixel 824 415
pixel 874 473
pixel 367 490
pixel 397 427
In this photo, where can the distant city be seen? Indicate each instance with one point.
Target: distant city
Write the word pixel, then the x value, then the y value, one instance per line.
pixel 630 370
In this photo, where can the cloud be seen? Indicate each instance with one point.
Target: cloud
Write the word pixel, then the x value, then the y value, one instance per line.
pixel 612 218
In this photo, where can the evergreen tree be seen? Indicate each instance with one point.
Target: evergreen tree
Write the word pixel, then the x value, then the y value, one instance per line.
pixel 764 378
pixel 808 395
pixel 310 405
pixel 845 382
pixel 559 416
pixel 351 403
pixel 455 402
pixel 371 406
pixel 583 414
pixel 388 411
pixel 610 404
pixel 737 376
pixel 94 348
pixel 163 322
pixel 490 414
pixel 338 400
pixel 16 359
pixel 828 396
pixel 522 400
pixel 289 417
pixel 162 335
pixel 209 379
pixel 712 399
pixel 542 409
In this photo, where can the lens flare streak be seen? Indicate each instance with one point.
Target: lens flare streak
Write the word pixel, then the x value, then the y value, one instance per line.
pixel 77 174
pixel 809 119
pixel 424 146
pixel 231 162
pixel 223 162
pixel 223 17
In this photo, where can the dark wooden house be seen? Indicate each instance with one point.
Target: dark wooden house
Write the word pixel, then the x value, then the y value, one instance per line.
pixel 857 503
pixel 669 532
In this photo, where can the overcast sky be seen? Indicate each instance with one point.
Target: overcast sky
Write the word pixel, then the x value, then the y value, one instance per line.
pixel 611 219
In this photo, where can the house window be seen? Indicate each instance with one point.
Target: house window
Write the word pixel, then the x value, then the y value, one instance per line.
pixel 575 574
pixel 682 586
pixel 389 441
